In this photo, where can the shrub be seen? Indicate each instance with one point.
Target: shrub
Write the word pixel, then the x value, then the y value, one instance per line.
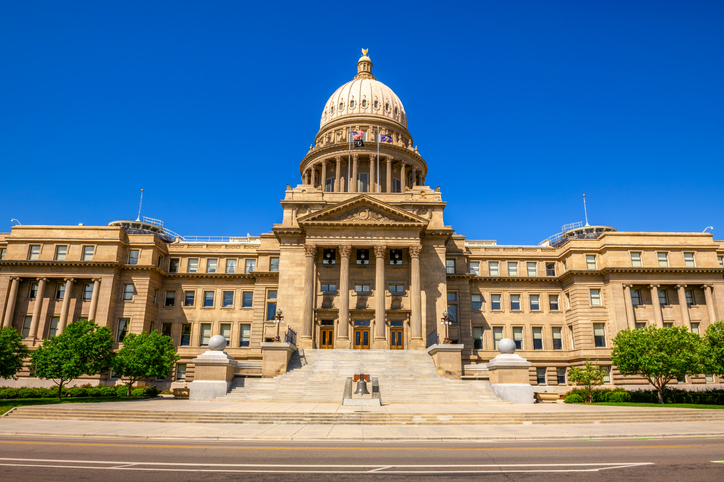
pixel 122 391
pixel 107 391
pixel 26 393
pixel 77 392
pixel 49 393
pixel 574 398
pixel 8 393
pixel 144 392
pixel 619 396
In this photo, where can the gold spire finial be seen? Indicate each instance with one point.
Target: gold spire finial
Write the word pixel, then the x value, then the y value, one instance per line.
pixel 364 52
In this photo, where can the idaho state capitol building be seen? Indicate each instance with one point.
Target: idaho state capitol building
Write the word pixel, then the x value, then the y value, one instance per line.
pixel 363 260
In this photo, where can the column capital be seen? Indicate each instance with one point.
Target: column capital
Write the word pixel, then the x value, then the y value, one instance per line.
pixel 679 286
pixel 373 157
pixel 355 157
pixel 345 251
pixel 72 280
pixel 15 278
pixel 338 158
pixel 627 286
pixel 380 251
pixel 415 251
pixel 707 287
pixel 96 280
pixel 403 163
pixel 44 280
pixel 388 158
pixel 310 250
pixel 654 286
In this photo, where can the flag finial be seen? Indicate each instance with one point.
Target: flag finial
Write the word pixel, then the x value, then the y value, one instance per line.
pixel 364 52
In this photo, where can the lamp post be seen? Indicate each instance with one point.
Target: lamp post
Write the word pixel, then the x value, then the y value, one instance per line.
pixel 278 319
pixel 447 322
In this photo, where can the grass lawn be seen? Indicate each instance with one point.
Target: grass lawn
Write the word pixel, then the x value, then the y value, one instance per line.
pixel 666 405
pixel 7 404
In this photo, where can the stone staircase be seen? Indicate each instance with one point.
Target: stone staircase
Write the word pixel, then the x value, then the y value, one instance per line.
pixel 405 376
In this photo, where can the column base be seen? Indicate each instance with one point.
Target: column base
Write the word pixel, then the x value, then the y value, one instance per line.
pixel 305 342
pixel 342 343
pixel 417 344
pixel 380 344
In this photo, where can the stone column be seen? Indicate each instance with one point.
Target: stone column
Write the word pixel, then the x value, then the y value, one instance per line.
pixel 684 306
pixel 310 251
pixel 415 298
pixel 373 171
pixel 337 172
pixel 94 299
pixel 36 310
pixel 324 175
pixel 414 176
pixel 343 332
pixel 380 341
pixel 388 160
pixel 630 317
pixel 658 318
pixel 12 297
pixel 66 304
pixel 353 181
pixel 402 176
pixel 710 303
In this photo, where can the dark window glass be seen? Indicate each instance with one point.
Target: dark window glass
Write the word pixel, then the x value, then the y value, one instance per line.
pixel 247 299
pixel 228 299
pixel 452 313
pixel 173 266
pixel 396 256
pixel 363 256
pixel 186 335
pixel 329 256
pixel 189 298
pixel 271 310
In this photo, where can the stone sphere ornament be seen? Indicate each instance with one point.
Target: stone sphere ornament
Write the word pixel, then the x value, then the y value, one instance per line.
pixel 217 343
pixel 506 346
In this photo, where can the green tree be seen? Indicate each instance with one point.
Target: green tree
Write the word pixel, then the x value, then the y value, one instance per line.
pixel 588 376
pixel 713 349
pixel 12 352
pixel 144 355
pixel 657 354
pixel 83 348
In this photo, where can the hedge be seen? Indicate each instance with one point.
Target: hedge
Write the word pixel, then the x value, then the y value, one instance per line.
pixel 75 392
pixel 713 396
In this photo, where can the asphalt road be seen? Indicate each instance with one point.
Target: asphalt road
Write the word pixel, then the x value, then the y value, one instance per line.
pixel 41 459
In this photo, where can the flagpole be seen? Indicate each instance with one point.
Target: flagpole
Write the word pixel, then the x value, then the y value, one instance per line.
pixel 378 159
pixel 349 160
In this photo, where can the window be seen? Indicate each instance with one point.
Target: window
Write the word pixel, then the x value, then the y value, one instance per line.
pixel 561 375
pixel 709 378
pixel 568 301
pixel 595 297
pixel 396 185
pixel 363 256
pixel 695 328
pixel 537 338
pixel 397 288
pixel 606 374
pixel 33 291
pixel 534 302
pixel 53 328
pixel 362 288
pixel 550 269
pixel 668 325
pixel 452 296
pixel 329 256
pixel 274 264
pixel 128 292
pixel 247 299
pixel 228 299
pixel 540 375
pixel 690 297
pixel 231 266
pixel 663 297
pixel 495 303
pixel 663 260
pixel 87 291
pixel 475 268
pixel 34 252
pixel 271 310
pixel 636 260
pixel 133 256
pixel 329 288
pixel 476 302
pixel 166 329
pixel 208 299
pixel 249 266
pixel 553 302
pixel 721 260
pixel 88 253
pixel 532 269
pixel 193 265
pixel 189 298
pixel 170 298
pixel 159 262
pixel 186 334
pixel 557 338
pixel 599 335
pixel 497 336
pixel 570 335
pixel 181 371
pixel 211 265
pixel 635 297
pixel 450 266
pixel 60 291
pixel 363 183
pixel 452 313
pixel 205 334
pixel 2 252
pixel 122 329
pixel 27 321
pixel 512 268
pixel 493 268
pixel 245 336
pixel 396 257
pixel 514 302
pixel 689 260
pixel 640 326
pixel 173 265
pixel 60 253
pixel 590 261
pixel 225 331
pixel 478 337
pixel 155 296
pixel 518 337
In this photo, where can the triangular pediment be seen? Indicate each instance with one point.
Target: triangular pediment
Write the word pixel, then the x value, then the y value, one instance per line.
pixel 362 209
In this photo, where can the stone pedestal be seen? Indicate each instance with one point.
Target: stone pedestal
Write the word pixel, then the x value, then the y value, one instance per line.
pixel 213 373
pixel 275 358
pixel 509 375
pixel 448 359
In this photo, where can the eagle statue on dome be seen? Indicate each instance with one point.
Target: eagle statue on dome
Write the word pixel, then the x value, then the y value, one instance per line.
pixel 364 52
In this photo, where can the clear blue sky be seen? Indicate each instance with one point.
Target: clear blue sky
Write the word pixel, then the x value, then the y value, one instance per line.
pixel 518 107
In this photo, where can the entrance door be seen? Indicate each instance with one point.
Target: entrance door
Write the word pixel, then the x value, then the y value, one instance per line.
pixel 362 338
pixel 396 339
pixel 327 335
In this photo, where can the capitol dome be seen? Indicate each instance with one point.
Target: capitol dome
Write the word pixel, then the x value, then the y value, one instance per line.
pixel 364 96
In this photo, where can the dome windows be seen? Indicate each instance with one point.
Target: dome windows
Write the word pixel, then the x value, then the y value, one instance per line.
pixel 387 107
pixel 331 110
pixel 395 111
pixel 341 106
pixel 351 104
pixel 364 103
pixel 376 104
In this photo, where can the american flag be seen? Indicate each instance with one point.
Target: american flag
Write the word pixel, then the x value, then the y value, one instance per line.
pixel 358 135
